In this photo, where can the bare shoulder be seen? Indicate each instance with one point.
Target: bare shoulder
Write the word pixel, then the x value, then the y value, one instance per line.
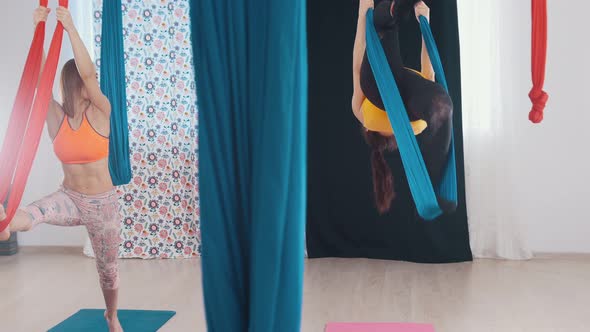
pixel 55 110
pixel 99 119
pixel 55 116
pixel 104 107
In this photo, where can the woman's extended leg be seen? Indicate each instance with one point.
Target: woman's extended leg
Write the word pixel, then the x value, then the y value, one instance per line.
pixel 435 140
pixel 5 234
pixel 55 209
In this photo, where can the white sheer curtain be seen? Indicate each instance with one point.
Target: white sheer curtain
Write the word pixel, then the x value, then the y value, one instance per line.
pixel 494 87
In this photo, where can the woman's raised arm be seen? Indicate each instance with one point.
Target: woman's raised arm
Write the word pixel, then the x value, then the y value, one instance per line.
pixel 360 45
pixel 421 9
pixel 83 62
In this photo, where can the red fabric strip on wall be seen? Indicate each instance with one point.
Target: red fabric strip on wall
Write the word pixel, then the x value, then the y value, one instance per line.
pixel 538 59
pixel 26 123
pixel 21 111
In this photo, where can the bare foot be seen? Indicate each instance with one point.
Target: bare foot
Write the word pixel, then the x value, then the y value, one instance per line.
pixel 5 234
pixel 113 322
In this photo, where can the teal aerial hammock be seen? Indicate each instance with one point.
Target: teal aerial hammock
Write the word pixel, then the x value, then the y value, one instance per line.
pixel 251 76
pixel 419 181
pixel 112 84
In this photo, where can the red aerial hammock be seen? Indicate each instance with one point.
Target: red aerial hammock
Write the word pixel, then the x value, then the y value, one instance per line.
pixel 538 59
pixel 28 118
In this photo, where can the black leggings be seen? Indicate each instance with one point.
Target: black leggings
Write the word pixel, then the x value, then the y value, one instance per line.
pixel 423 99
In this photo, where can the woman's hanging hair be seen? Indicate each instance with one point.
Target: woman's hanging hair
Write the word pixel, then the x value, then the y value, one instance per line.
pixel 382 177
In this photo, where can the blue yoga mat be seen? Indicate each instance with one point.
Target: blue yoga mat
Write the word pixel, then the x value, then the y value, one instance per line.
pixel 92 320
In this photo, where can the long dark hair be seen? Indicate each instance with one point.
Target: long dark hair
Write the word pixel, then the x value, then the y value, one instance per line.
pixel 71 85
pixel 382 177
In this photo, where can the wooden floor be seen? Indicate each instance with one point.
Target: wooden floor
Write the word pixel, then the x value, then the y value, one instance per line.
pixel 40 287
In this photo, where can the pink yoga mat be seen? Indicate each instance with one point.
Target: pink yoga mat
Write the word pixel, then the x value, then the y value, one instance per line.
pixel 378 327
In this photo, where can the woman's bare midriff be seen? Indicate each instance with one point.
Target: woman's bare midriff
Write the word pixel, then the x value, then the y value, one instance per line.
pixel 89 179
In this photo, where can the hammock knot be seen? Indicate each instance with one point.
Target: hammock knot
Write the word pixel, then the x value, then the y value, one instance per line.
pixel 539 99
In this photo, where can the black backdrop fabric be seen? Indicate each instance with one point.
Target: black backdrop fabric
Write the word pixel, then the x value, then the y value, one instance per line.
pixel 341 217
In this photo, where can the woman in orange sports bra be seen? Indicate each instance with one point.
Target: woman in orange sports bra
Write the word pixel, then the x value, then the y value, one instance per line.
pixel 80 129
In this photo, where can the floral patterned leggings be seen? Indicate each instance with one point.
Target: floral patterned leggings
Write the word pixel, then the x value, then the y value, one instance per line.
pixel 99 213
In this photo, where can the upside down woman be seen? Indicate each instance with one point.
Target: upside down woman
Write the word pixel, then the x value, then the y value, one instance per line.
pixel 428 105
pixel 79 128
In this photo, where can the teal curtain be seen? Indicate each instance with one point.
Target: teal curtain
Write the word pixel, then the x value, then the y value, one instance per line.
pixel 112 84
pixel 251 73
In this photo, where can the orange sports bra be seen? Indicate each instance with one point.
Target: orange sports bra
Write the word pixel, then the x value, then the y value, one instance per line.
pixel 81 146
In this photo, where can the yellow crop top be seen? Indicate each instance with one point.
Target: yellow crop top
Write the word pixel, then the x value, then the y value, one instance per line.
pixel 376 119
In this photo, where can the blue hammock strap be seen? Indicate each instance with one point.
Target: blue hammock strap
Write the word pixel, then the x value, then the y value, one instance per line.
pixel 447 188
pixel 412 160
pixel 419 182
pixel 112 84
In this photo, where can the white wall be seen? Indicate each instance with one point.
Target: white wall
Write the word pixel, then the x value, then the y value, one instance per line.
pixel 16 32
pixel 553 191
pixel 559 160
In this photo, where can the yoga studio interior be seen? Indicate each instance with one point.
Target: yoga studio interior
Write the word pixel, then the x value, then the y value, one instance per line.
pixel 287 166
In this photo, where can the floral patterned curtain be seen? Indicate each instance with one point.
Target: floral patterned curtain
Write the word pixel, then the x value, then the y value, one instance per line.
pixel 160 207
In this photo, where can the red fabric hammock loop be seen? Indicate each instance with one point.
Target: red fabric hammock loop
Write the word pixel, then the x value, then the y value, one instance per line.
pixel 27 119
pixel 539 99
pixel 538 59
